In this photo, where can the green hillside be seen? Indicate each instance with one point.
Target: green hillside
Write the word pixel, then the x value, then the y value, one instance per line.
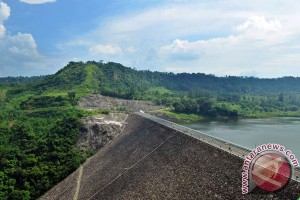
pixel 40 122
pixel 199 93
pixel 114 79
pixel 21 80
pixel 109 77
pixel 248 96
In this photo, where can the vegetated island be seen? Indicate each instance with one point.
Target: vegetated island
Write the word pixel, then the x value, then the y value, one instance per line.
pixel 40 119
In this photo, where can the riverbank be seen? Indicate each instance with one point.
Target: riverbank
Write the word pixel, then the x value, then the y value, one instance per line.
pixel 183 117
pixel 270 114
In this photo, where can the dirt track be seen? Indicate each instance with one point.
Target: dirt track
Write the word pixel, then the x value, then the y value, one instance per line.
pixel 149 161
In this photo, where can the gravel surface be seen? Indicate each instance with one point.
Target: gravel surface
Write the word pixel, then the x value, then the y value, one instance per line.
pixel 104 102
pixel 150 161
pixel 99 130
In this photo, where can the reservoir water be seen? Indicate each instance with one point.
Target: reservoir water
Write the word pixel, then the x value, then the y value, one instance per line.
pixel 254 132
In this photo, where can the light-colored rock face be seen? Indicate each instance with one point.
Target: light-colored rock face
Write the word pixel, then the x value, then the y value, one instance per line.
pixel 99 130
pixel 98 101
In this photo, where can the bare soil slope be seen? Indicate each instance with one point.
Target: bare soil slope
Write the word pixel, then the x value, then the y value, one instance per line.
pixel 150 161
pixel 95 101
pixel 99 130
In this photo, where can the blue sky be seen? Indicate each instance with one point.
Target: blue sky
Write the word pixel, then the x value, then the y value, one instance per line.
pixel 221 37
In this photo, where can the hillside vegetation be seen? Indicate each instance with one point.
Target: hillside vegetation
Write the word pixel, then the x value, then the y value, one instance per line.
pixel 199 93
pixel 40 122
pixel 116 79
pixel 21 80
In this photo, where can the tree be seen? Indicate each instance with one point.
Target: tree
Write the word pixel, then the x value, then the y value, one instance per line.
pixel 281 97
pixel 71 95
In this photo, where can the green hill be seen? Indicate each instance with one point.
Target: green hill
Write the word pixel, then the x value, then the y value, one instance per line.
pixel 248 95
pixel 21 79
pixel 40 122
pixel 79 79
pixel 115 79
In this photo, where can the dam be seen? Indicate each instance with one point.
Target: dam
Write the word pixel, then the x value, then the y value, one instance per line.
pixel 155 159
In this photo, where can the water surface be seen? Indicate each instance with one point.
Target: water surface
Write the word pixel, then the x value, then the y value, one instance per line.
pixel 254 132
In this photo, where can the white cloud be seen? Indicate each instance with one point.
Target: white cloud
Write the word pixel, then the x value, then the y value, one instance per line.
pixel 260 23
pixel 22 44
pixel 38 1
pixel 257 27
pixel 15 49
pixel 219 37
pixel 4 12
pixel 258 48
pixel 2 30
pixel 105 49
pixel 158 24
pixel 177 46
pixel 4 15
pixel 131 49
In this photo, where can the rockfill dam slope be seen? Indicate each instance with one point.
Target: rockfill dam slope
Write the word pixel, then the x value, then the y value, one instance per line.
pixel 150 161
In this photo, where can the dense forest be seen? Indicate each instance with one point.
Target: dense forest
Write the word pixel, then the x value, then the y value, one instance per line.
pixel 116 79
pixel 21 80
pixel 187 93
pixel 39 120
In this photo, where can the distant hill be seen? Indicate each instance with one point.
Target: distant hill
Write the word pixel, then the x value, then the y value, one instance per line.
pixel 115 79
pixel 22 80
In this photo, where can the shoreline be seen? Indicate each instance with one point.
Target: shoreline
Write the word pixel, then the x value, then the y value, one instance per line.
pixel 183 117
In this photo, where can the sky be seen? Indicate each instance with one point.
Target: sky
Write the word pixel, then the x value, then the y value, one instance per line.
pixel 221 37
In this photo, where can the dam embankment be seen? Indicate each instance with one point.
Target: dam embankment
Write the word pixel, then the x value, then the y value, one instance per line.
pixel 148 160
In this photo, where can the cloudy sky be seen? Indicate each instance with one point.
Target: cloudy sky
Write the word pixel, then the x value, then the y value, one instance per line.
pixel 221 37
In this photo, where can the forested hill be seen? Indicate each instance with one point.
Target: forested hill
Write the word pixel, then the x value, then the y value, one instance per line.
pixel 40 120
pixel 113 78
pixel 22 79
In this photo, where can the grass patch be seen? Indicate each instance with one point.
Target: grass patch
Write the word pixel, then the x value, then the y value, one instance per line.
pixel 182 116
pixel 160 90
pixel 2 94
pixel 92 112
pixel 271 114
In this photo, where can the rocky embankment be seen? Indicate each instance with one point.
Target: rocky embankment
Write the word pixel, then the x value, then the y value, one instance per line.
pixel 98 101
pixel 150 161
pixel 99 130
